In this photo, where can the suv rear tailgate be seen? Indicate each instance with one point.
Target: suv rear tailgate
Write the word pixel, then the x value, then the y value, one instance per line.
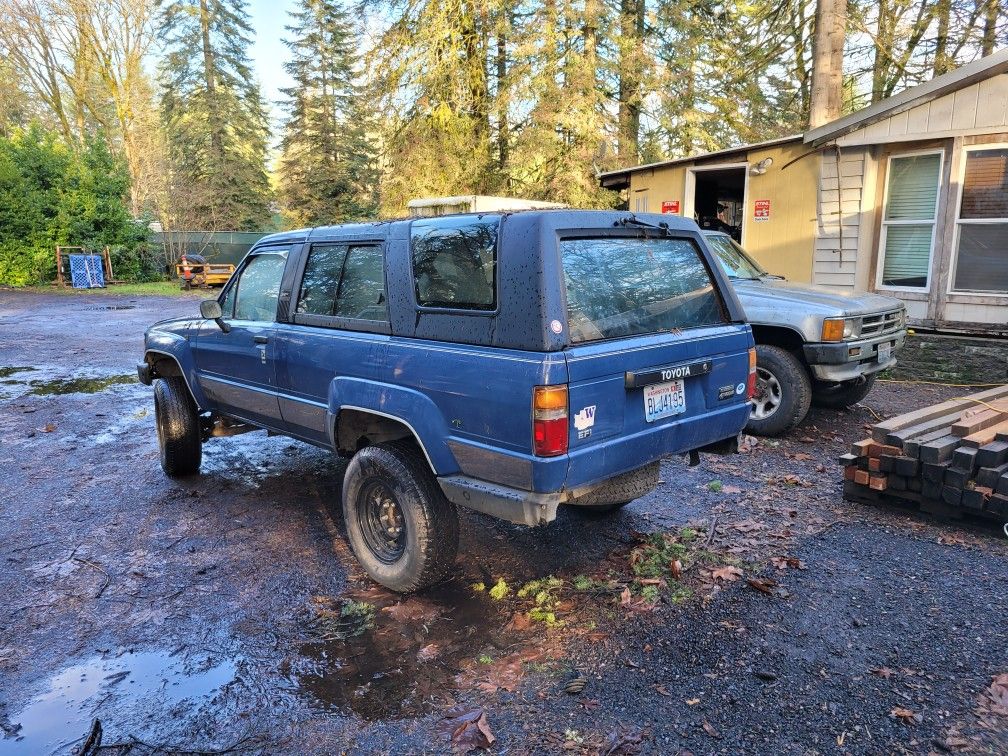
pixel 610 433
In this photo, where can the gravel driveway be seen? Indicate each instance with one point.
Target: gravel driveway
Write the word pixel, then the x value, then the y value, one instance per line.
pixel 743 607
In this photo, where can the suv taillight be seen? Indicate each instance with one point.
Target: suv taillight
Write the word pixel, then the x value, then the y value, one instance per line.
pixel 751 383
pixel 549 421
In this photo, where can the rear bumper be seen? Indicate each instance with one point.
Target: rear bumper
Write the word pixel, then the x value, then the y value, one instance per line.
pixel 847 360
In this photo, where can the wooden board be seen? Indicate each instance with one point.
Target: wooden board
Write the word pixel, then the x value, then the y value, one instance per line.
pixel 880 431
pixel 979 419
pixel 985 436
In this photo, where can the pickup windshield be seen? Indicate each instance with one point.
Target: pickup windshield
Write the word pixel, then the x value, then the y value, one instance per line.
pixel 734 260
pixel 621 286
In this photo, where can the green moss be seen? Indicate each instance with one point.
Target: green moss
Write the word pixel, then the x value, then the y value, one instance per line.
pixel 500 590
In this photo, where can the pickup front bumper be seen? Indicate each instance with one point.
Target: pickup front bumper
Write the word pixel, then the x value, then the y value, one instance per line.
pixel 847 360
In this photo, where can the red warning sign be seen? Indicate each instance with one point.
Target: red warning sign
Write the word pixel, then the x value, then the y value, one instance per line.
pixel 761 210
pixel 670 206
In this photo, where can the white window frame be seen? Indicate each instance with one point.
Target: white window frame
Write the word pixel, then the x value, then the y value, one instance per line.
pixel 971 221
pixel 689 198
pixel 880 266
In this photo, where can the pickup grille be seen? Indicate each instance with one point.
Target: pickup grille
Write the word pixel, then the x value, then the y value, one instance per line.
pixel 883 322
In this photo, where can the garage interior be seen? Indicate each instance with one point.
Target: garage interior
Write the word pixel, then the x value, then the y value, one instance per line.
pixel 719 200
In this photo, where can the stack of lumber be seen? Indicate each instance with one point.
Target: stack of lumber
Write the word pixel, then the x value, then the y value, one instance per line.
pixel 951 458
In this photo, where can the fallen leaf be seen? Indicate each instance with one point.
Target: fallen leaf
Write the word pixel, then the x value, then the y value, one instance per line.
pixel 466 729
pixel 590 704
pixel 783 562
pixel 624 741
pixel 802 457
pixel 48 427
pixel 676 569
pixel 807 440
pixel 731 490
pixel 663 691
pixel 905 715
pixel 710 729
pixel 884 672
pixel 692 701
pixel 763 585
pixel 520 622
pixel 728 573
pixel 428 652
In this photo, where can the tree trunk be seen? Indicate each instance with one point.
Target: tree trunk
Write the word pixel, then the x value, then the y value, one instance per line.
pixel 942 62
pixel 827 62
pixel 990 27
pixel 631 40
pixel 503 99
pixel 210 80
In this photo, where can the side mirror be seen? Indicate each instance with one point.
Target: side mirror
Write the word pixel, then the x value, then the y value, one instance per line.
pixel 211 310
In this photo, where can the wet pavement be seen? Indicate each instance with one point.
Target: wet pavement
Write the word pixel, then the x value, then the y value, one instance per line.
pixel 225 612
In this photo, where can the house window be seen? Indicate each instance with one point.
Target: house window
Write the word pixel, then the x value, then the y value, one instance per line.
pixel 640 202
pixel 908 224
pixel 982 227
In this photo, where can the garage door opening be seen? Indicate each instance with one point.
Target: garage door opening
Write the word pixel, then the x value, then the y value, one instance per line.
pixel 719 199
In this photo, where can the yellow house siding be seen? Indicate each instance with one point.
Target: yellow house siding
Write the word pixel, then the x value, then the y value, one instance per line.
pixel 783 244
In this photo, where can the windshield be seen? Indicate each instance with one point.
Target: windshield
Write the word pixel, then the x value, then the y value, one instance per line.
pixel 622 286
pixel 734 260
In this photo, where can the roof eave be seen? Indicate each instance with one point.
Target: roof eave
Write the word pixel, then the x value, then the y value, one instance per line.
pixel 971 73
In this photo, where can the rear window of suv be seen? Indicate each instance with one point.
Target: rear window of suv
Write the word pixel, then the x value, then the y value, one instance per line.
pixel 621 286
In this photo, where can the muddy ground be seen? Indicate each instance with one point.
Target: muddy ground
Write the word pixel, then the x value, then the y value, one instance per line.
pixel 224 613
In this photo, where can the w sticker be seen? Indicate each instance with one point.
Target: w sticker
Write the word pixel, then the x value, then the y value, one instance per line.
pixel 585 418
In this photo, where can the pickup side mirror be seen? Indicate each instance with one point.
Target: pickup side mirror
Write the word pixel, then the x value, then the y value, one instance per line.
pixel 211 310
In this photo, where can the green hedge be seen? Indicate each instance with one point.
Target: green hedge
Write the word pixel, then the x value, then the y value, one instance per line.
pixel 53 194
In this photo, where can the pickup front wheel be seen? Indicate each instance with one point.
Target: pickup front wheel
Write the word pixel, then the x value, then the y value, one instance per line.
pixel 783 392
pixel 402 529
pixel 178 427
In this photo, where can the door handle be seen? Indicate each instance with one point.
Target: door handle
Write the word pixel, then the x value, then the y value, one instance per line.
pixel 260 339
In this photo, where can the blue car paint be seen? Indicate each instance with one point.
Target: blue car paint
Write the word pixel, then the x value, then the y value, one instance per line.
pixel 466 401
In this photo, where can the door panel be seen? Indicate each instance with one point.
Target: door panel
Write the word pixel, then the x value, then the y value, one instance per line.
pixel 236 369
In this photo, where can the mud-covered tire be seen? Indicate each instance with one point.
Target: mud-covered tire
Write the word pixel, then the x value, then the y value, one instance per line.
pixel 429 521
pixel 841 395
pixel 178 427
pixel 780 370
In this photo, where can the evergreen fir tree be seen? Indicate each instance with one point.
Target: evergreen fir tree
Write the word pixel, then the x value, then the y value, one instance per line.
pixel 328 168
pixel 213 111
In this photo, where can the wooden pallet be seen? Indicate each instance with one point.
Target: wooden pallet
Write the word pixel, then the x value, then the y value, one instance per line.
pixel 949 459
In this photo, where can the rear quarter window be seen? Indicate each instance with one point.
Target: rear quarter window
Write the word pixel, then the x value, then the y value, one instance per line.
pixel 621 286
pixel 455 262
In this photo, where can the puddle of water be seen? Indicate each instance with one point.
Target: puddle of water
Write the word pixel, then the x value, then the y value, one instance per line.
pixel 149 682
pixel 7 372
pixel 408 656
pixel 60 386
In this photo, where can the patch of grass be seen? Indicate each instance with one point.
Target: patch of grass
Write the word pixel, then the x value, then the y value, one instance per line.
pixel 485 659
pixel 659 561
pixel 715 486
pixel 145 289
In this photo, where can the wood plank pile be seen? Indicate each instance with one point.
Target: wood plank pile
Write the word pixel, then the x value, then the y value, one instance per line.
pixel 948 459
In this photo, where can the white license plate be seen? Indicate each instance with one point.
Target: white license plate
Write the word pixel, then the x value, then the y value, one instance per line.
pixel 664 400
pixel 884 352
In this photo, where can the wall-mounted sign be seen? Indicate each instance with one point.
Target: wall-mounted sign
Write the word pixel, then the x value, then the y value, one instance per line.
pixel 761 210
pixel 670 206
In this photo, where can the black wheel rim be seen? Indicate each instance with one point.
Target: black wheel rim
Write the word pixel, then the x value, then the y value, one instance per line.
pixel 381 522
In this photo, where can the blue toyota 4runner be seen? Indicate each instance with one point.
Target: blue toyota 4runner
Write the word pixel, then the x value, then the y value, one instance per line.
pixel 506 363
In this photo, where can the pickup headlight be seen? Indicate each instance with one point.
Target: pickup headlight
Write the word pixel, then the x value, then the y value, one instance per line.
pixel 839 329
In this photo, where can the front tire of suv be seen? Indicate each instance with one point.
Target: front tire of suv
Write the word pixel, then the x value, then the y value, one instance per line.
pixel 841 395
pixel 402 529
pixel 783 392
pixel 178 427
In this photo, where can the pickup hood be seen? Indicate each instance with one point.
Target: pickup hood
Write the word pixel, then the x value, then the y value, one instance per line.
pixel 775 295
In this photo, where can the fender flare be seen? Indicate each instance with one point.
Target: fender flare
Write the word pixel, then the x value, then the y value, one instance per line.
pixel 189 376
pixel 411 408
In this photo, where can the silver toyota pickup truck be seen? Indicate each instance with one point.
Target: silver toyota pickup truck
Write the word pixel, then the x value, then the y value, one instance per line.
pixel 812 345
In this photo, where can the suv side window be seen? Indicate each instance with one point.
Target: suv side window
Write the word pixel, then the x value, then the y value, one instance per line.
pixel 455 262
pixel 361 293
pixel 258 288
pixel 343 286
